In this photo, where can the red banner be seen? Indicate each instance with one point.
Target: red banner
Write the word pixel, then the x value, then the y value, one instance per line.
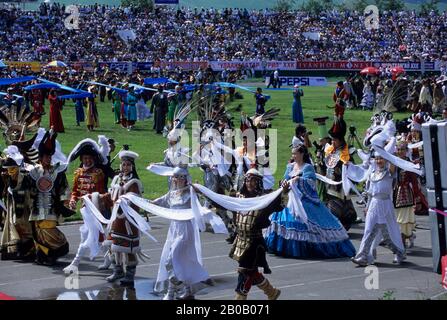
pixel 332 65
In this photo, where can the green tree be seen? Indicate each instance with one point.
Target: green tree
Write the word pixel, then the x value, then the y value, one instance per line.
pixel 391 5
pixel 431 5
pixel 285 5
pixel 139 4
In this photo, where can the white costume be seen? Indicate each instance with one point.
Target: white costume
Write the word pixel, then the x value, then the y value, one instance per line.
pixel 380 220
pixel 180 261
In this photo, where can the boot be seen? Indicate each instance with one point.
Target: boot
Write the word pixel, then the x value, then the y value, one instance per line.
pixel 271 292
pixel 73 266
pixel 118 273
pixel 412 238
pixel 187 294
pixel 361 261
pixel 170 294
pixel 106 264
pixel 129 277
pixel 240 296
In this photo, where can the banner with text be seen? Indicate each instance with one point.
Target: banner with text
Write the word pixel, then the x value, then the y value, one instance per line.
pixel 332 65
pixel 185 65
pixel 33 65
pixel 303 81
pixel 407 65
pixel 252 64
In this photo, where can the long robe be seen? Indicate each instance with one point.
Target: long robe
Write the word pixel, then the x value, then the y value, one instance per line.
pixel 160 103
pixel 55 114
pixel 297 108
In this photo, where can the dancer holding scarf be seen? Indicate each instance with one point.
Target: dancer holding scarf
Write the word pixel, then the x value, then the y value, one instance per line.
pixel 180 263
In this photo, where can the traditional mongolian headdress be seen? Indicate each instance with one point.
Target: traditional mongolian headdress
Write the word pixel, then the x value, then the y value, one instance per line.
pixel 127 155
pixel 15 123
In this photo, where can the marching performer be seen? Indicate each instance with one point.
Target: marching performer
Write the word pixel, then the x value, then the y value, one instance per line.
pixel 180 264
pixel 249 247
pixel 50 193
pixel 88 179
pixel 124 234
pixel 253 208
pixel 336 155
pixel 380 217
pixel 317 233
pixel 403 197
pixel 17 237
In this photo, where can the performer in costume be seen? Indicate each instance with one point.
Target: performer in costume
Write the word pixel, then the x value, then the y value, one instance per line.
pixel 403 197
pixel 116 107
pixel 336 155
pixel 80 114
pixel 37 101
pixel 417 156
pixel 50 193
pixel 260 102
pixel 142 109
pixel 56 122
pixel 380 217
pixel 297 108
pixel 125 236
pixel 131 117
pixel 179 264
pixel 88 179
pixel 160 103
pixel 249 247
pixel 17 238
pixel 316 234
pixel 176 154
pixel 92 111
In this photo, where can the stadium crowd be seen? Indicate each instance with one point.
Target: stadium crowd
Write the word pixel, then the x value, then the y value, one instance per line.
pixel 168 33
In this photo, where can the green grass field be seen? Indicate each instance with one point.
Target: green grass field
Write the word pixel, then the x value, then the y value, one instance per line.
pixel 150 146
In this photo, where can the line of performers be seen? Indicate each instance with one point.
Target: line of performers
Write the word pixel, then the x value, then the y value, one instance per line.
pixel 292 221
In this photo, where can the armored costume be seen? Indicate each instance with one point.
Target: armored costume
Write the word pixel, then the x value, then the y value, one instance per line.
pixel 338 203
pixel 49 191
pixel 249 247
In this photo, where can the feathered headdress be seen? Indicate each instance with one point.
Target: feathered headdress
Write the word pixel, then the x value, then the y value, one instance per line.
pixel 15 122
pixel 48 144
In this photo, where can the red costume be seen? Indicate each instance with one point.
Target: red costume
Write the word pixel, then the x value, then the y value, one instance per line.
pixel 55 113
pixel 87 181
pixel 37 101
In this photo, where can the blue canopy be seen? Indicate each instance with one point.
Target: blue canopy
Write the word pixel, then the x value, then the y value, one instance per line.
pixel 2 64
pixel 41 86
pixel 232 85
pixel 152 81
pixel 136 86
pixel 61 86
pixel 118 90
pixel 81 95
pixel 8 81
pixel 15 95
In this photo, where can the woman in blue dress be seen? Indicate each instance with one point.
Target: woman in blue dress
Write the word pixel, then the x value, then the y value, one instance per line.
pixel 322 235
pixel 131 109
pixel 297 108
